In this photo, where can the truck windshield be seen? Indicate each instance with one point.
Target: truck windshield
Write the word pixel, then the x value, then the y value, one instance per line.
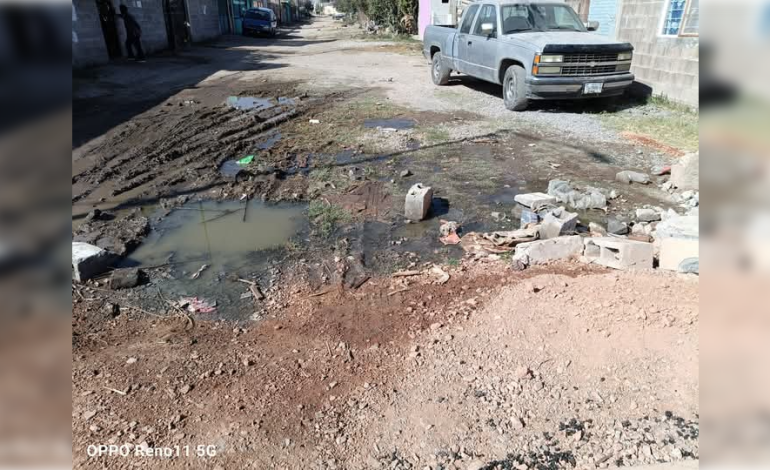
pixel 540 17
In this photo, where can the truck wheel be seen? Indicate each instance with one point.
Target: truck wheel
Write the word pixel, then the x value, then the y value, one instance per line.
pixel 515 88
pixel 439 73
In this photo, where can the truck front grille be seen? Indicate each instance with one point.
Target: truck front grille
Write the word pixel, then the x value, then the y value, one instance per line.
pixel 590 57
pixel 587 70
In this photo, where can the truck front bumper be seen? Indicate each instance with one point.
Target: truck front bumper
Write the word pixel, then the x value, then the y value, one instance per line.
pixel 572 87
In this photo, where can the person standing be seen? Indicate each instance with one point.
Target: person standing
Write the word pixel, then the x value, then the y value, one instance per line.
pixel 133 34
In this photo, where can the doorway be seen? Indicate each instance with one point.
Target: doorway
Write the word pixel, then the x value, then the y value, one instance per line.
pixel 177 31
pixel 109 28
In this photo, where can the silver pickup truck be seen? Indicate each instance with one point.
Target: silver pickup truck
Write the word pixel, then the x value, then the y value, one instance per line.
pixel 534 49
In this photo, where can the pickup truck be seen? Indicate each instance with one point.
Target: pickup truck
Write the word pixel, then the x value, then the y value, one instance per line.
pixel 534 49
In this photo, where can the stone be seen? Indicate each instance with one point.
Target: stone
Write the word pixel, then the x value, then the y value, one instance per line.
pixel 686 173
pixel 89 261
pixel 418 201
pixel 558 222
pixel 534 200
pixel 689 266
pixel 647 215
pixel 686 226
pixel 593 227
pixel 673 251
pixel 629 177
pixel 591 198
pixel 95 214
pixel 617 227
pixel 125 278
pixel 543 251
pixel 619 253
pixel 476 465
pixel 406 173
pixel 111 309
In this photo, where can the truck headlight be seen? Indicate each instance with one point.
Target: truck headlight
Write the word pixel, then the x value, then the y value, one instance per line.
pixel 548 70
pixel 625 56
pixel 550 59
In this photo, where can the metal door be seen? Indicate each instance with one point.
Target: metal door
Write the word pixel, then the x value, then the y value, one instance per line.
pixel 109 27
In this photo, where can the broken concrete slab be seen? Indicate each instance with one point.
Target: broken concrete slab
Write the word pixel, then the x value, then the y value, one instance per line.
pixel 558 222
pixel 534 200
pixel 543 251
pixel 647 215
pixel 686 173
pixel 418 201
pixel 591 198
pixel 674 251
pixel 619 253
pixel 629 177
pixel 89 261
pixel 685 226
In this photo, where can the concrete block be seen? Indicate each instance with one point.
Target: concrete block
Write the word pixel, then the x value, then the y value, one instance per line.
pixel 619 253
pixel 534 200
pixel 418 201
pixel 686 173
pixel 89 261
pixel 673 251
pixel 543 251
pixel 558 222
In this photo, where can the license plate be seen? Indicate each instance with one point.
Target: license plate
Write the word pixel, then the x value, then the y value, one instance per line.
pixel 592 88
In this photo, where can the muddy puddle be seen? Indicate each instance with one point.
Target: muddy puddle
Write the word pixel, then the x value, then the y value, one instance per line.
pixel 218 236
pixel 251 103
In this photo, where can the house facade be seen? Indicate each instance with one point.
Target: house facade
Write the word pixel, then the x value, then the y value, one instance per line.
pixel 664 34
pixel 98 35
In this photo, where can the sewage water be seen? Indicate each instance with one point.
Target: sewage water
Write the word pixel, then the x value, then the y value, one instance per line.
pixel 251 103
pixel 215 234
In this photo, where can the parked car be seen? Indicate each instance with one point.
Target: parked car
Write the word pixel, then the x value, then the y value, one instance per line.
pixel 259 21
pixel 338 16
pixel 534 49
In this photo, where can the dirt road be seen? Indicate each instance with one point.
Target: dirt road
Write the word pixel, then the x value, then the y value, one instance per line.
pixel 343 336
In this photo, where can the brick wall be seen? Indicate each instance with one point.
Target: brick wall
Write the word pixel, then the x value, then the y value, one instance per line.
pixel 204 19
pixel 670 66
pixel 606 13
pixel 88 46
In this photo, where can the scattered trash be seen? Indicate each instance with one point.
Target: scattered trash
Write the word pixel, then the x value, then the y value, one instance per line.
pixel 315 121
pixel 197 273
pixel 448 231
pixel 443 276
pixel 256 292
pixel 498 242
pixel 245 160
pixel 629 177
pixel 529 217
pixel 196 305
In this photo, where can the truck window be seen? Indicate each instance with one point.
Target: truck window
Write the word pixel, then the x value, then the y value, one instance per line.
pixel 465 27
pixel 488 15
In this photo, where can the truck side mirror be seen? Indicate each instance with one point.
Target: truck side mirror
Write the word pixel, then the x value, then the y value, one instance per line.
pixel 487 28
pixel 592 25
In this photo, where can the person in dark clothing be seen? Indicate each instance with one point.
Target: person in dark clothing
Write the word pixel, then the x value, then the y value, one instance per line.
pixel 133 34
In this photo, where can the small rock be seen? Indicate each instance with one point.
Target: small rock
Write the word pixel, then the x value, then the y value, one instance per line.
pixel 185 389
pixel 125 278
pixel 131 360
pixel 89 414
pixel 406 174
pixel 523 372
pixel 647 215
pixel 95 214
pixel 596 228
pixel 629 177
pixel 111 309
pixel 435 326
pixel 475 465
pixel 617 227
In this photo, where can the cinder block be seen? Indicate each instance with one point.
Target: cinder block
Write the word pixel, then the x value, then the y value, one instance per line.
pixel 89 261
pixel 619 253
pixel 534 200
pixel 418 201
pixel 675 250
pixel 558 222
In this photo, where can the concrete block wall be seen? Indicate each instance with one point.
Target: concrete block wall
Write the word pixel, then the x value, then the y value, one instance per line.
pixel 204 19
pixel 606 13
pixel 88 47
pixel 669 65
pixel 149 14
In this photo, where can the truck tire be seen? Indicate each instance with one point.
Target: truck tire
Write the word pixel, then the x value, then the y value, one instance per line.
pixel 438 72
pixel 515 88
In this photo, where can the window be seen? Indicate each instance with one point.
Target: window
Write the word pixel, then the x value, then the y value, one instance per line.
pixel 468 19
pixel 545 17
pixel 488 15
pixel 681 18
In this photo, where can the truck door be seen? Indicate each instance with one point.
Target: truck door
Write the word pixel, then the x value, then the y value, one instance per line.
pixel 463 52
pixel 484 45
